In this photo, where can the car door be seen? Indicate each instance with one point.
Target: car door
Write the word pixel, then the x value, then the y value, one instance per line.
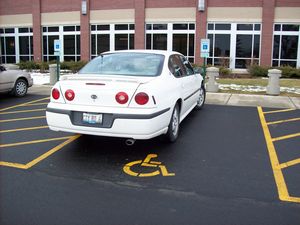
pixel 6 83
pixel 184 82
pixel 192 82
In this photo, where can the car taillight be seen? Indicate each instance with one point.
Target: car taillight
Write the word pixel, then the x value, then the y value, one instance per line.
pixel 121 97
pixel 69 94
pixel 141 98
pixel 55 93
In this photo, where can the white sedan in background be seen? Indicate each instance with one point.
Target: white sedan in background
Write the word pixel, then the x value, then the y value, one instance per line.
pixel 134 94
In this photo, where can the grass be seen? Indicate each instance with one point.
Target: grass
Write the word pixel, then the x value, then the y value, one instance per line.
pixel 290 83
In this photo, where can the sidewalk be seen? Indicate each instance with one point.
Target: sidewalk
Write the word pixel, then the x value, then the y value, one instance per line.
pixel 220 99
pixel 253 100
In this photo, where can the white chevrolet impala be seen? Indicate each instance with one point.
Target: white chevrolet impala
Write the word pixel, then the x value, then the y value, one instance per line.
pixel 135 94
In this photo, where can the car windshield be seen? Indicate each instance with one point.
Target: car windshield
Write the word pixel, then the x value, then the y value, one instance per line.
pixel 125 63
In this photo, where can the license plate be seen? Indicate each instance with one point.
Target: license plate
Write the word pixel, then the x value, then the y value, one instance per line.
pixel 92 118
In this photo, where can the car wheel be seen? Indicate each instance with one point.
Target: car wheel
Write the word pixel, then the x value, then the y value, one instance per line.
pixel 173 129
pixel 20 88
pixel 201 98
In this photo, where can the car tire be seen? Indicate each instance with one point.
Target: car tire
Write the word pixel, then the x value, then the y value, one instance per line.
pixel 173 128
pixel 20 89
pixel 201 98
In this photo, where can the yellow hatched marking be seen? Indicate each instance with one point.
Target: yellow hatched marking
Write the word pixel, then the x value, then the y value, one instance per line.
pixel 289 163
pixel 279 111
pixel 278 175
pixel 283 121
pixel 35 104
pixel 34 142
pixel 25 118
pixel 286 137
pixel 22 111
pixel 24 104
pixel 40 158
pixel 22 129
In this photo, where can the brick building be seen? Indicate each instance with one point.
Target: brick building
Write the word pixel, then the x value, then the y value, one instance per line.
pixel 240 31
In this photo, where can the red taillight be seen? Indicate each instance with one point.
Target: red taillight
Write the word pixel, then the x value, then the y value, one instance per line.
pixel 69 94
pixel 55 93
pixel 141 98
pixel 121 97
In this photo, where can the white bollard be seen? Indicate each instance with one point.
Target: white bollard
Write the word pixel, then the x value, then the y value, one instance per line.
pixel 273 87
pixel 212 73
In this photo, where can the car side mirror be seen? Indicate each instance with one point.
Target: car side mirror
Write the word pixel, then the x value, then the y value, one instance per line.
pixel 199 70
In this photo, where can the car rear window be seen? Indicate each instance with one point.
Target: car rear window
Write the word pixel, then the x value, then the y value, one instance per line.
pixel 125 63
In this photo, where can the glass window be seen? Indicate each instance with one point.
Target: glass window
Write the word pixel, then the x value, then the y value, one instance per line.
pixel 121 27
pixel 10 46
pixel 127 64
pixel 121 41
pixel 243 46
pixel 289 27
pixel 222 45
pixel 289 47
pixel 256 46
pixel 191 26
pixel 180 43
pixel 181 26
pixel 24 45
pixel 69 28
pixel 223 26
pixel 210 26
pixel 277 27
pixel 160 26
pixel 53 29
pixel 245 27
pixel 102 43
pixel 9 30
pixel 160 41
pixel 102 27
pixel 23 30
pixel 69 44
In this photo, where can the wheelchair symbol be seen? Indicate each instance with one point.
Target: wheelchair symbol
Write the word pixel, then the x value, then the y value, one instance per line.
pixel 147 163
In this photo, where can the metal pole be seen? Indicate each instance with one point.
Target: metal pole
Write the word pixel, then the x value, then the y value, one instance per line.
pixel 57 67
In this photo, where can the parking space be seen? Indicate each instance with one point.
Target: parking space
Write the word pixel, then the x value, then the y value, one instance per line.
pixel 24 129
pixel 218 171
pixel 282 133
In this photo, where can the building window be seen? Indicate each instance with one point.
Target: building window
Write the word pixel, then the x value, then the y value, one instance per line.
pixel 173 37
pixel 286 45
pixel 234 45
pixel 69 37
pixel 111 37
pixel 16 44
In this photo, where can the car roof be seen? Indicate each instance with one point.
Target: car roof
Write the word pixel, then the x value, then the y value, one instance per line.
pixel 160 52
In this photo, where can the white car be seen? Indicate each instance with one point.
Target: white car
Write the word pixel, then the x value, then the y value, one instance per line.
pixel 134 94
pixel 15 82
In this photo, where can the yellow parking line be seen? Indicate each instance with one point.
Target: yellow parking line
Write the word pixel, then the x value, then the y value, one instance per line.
pixel 22 111
pixel 34 142
pixel 25 118
pixel 53 150
pixel 290 163
pixel 283 121
pixel 35 104
pixel 23 104
pixel 286 137
pixel 280 182
pixel 42 157
pixel 15 165
pixel 22 129
pixel 279 111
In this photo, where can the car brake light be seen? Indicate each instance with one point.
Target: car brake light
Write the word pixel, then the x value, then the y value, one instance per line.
pixel 55 93
pixel 141 98
pixel 121 97
pixel 69 94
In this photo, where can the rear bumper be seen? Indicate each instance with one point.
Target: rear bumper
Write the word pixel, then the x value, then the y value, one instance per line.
pixel 125 125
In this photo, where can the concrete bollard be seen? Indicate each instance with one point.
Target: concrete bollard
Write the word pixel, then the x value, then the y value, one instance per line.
pixel 53 73
pixel 212 73
pixel 273 87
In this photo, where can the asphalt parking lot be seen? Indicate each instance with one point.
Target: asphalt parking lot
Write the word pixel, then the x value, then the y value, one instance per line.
pixel 230 165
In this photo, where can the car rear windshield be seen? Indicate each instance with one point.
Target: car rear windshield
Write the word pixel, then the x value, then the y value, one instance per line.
pixel 125 63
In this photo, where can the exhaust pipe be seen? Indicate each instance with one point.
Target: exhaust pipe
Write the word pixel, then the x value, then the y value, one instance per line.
pixel 130 142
